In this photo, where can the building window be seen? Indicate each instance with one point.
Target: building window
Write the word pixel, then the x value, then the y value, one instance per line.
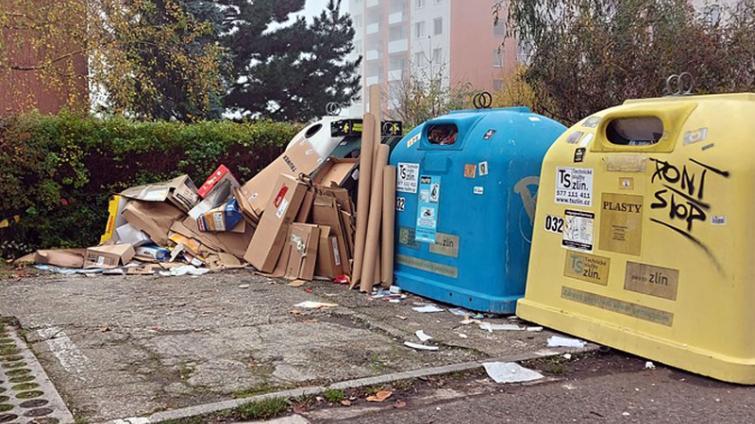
pixel 419 3
pixel 499 28
pixel 419 59
pixel 437 55
pixel 419 29
pixel 438 26
pixel 357 21
pixel 497 58
pixel 497 85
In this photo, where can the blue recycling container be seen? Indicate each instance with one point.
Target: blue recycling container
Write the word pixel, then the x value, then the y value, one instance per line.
pixel 466 187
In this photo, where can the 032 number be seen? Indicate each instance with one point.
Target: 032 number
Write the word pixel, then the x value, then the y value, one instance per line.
pixel 554 224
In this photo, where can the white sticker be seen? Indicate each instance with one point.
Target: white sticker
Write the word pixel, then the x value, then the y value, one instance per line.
pixel 478 190
pixel 574 186
pixel 219 222
pixel 407 177
pixel 282 208
pixel 718 220
pixel 554 224
pixel 483 168
pixel 400 203
pixel 586 140
pixel 578 228
pixel 100 260
pixel 534 119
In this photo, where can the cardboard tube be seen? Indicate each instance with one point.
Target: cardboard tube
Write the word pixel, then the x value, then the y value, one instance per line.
pixel 389 216
pixel 363 196
pixel 373 224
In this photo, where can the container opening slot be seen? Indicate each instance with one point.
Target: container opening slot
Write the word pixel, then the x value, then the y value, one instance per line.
pixel 312 130
pixel 442 134
pixel 639 131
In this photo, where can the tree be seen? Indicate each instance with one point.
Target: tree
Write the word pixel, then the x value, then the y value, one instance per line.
pixel 129 50
pixel 425 94
pixel 586 55
pixel 293 71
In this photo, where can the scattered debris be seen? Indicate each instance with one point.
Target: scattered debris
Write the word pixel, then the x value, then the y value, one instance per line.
pixel 490 327
pixel 427 309
pixel 310 304
pixel 420 346
pixel 243 286
pixel 559 341
pixel 534 329
pixel 380 396
pixel 395 290
pixel 458 312
pixel 649 365
pixel 462 335
pixel 183 270
pixel 510 372
pixel 346 402
pixel 399 404
pixel 297 283
pixel 422 336
pixel 401 317
pixel 567 356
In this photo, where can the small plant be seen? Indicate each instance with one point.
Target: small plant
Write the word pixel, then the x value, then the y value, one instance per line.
pixel 334 395
pixel 263 409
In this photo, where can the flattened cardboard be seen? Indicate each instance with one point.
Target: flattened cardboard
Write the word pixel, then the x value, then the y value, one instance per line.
pixel 303 241
pixel 179 191
pixel 154 218
pixel 328 256
pixel 280 211
pixel 305 210
pixel 326 212
pixel 66 258
pixel 218 176
pixel 109 256
pixel 233 243
pixel 300 159
pixel 336 171
pixel 127 233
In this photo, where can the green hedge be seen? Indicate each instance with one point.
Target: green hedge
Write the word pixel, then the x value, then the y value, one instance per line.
pixel 57 172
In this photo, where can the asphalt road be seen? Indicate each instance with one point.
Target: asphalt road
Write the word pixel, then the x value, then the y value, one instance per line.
pixel 592 393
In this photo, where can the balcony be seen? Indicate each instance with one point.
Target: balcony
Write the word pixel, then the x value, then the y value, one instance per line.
pixel 395 17
pixel 398 46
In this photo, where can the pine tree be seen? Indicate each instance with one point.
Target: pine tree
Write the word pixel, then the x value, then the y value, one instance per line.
pixel 290 72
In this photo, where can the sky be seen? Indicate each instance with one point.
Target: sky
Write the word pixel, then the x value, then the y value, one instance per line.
pixel 314 7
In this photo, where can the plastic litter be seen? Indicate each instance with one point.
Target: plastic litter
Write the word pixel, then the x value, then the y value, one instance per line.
pixel 427 309
pixel 422 336
pixel 490 327
pixel 510 372
pixel 558 341
pixel 184 270
pixel 420 346
pixel 649 365
pixel 310 304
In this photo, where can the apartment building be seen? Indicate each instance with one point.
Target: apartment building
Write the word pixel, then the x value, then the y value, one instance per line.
pixel 455 39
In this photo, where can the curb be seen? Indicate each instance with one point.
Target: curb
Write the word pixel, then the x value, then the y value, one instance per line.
pixel 209 408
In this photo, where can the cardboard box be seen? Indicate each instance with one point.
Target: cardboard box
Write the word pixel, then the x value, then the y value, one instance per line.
pixel 110 256
pixel 336 171
pixel 217 197
pixel 179 191
pixel 220 175
pixel 305 210
pixel 326 212
pixel 300 159
pixel 66 258
pixel 280 211
pixel 154 218
pixel 234 243
pixel 226 217
pixel 304 240
pixel 328 256
pixel 127 233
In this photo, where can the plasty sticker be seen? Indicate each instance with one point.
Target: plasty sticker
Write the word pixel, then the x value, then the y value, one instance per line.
pixel 574 186
pixel 407 176
pixel 578 230
pixel 621 223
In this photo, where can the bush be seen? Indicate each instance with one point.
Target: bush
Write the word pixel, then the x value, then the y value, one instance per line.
pixel 57 172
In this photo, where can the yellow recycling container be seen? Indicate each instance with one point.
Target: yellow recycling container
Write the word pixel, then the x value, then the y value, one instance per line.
pixel 644 236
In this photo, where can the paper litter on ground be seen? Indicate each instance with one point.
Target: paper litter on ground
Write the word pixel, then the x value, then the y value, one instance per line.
pixel 183 270
pixel 558 341
pixel 510 372
pixel 422 336
pixel 427 309
pixel 459 312
pixel 490 327
pixel 310 304
pixel 420 346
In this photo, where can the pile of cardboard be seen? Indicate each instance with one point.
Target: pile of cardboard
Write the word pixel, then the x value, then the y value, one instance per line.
pixel 292 219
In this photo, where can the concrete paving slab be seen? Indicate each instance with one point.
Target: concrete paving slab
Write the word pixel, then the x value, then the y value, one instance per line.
pixel 133 346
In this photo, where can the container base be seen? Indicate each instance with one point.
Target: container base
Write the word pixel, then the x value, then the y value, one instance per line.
pixel 469 299
pixel 699 361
